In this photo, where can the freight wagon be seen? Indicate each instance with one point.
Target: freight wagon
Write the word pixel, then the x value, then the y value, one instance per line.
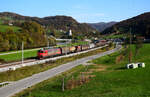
pixel 84 47
pixel 65 50
pixel 51 52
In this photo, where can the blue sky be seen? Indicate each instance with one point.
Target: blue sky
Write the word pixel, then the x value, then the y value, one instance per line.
pixel 82 10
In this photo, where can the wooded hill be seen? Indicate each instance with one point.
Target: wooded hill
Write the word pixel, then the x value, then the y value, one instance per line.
pixel 35 32
pixel 139 25
pixel 31 33
pixel 54 25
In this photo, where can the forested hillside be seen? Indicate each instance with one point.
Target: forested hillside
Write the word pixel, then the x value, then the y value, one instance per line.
pixel 31 33
pixel 139 25
pixel 54 25
pixel 35 32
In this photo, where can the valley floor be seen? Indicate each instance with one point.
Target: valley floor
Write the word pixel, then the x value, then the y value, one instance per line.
pixel 110 78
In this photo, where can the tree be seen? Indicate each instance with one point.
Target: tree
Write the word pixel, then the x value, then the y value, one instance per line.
pixel 51 41
pixel 4 45
pixel 13 41
pixel 36 33
pixel 9 30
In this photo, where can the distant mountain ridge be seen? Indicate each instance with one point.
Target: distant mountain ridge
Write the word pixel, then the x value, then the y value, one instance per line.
pixel 101 26
pixel 139 25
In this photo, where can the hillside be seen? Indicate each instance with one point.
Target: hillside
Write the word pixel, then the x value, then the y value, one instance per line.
pixel 15 28
pixel 31 33
pixel 3 28
pixel 102 25
pixel 53 24
pixel 140 25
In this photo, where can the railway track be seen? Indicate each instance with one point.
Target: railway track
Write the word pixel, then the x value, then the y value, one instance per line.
pixel 14 65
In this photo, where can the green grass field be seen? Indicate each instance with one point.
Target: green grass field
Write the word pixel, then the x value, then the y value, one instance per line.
pixel 115 81
pixel 0 21
pixel 3 28
pixel 18 56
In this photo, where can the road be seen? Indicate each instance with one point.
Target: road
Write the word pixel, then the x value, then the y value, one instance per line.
pixel 20 85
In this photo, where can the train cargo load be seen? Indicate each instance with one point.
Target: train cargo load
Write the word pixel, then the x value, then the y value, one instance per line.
pixel 72 49
pixel 85 47
pixel 65 50
pixel 78 48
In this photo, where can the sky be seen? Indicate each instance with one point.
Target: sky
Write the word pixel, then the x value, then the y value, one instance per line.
pixel 89 11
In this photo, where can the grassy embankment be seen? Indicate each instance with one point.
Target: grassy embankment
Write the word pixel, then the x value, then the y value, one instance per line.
pixel 30 70
pixel 112 79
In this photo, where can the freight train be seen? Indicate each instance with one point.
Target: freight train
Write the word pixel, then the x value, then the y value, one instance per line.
pixel 51 52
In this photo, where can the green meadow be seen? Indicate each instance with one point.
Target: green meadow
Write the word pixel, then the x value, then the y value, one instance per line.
pixel 18 56
pixel 3 28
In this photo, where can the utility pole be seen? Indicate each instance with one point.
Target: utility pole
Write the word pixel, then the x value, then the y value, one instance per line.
pixel 66 48
pixel 63 83
pixel 130 46
pixel 22 52
pixel 47 41
pixel 48 44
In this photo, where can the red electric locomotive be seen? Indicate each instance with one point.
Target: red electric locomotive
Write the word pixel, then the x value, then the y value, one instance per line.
pixel 48 52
